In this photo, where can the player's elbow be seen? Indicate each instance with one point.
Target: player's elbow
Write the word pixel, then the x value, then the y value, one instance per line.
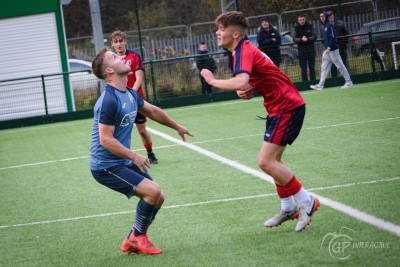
pixel 241 83
pixel 104 141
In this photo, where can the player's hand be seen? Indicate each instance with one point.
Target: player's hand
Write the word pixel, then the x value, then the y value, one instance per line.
pixel 141 162
pixel 207 75
pixel 182 131
pixel 246 93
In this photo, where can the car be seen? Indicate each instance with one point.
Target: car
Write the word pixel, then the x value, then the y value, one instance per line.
pixel 81 76
pixel 289 53
pixel 361 43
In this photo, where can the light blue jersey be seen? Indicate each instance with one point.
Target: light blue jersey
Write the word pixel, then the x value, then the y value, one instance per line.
pixel 118 108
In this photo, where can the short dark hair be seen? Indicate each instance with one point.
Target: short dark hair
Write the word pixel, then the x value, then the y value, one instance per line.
pixel 232 18
pixel 98 64
pixel 301 16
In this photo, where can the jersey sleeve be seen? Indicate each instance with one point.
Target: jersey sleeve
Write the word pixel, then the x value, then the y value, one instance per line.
pixel 137 63
pixel 108 112
pixel 243 61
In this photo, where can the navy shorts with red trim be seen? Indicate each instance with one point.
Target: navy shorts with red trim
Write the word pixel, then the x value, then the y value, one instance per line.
pixel 121 178
pixel 284 128
pixel 140 118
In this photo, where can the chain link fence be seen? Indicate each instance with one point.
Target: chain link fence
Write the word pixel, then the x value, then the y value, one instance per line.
pixel 170 52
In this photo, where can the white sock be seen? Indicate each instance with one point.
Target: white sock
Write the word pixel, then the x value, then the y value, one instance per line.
pixel 288 204
pixel 303 197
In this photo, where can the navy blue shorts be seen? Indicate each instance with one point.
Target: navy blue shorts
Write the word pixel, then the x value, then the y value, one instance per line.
pixel 121 178
pixel 140 118
pixel 284 128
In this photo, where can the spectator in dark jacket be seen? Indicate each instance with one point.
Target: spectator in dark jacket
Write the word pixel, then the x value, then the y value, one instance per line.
pixel 269 40
pixel 205 62
pixel 341 30
pixel 304 37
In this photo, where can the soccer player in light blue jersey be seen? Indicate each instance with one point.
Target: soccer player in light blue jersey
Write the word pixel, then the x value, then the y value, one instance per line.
pixel 112 162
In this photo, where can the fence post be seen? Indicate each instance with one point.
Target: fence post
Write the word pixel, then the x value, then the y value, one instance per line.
pixel 44 95
pixel 153 82
pixel 372 44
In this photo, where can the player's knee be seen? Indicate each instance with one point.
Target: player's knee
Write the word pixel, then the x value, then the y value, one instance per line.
pixel 264 165
pixel 142 130
pixel 153 193
pixel 161 200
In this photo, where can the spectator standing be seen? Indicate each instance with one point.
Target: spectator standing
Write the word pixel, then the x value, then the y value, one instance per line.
pixel 135 79
pixel 205 62
pixel 331 55
pixel 304 37
pixel 269 41
pixel 340 30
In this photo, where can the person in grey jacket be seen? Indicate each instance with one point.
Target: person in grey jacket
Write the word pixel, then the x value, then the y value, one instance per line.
pixel 331 55
pixel 304 37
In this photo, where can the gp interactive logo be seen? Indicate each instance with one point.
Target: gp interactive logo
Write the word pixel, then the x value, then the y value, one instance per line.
pixel 342 245
pixel 339 244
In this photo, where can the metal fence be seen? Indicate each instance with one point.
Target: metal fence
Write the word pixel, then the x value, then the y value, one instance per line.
pixel 47 95
pixel 180 76
pixel 177 77
pixel 182 40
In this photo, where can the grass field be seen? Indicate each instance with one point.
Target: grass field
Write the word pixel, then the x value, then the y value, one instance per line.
pixel 53 213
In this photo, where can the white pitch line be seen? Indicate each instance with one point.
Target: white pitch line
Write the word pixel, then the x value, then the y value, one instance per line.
pixel 258 98
pixel 350 123
pixel 359 215
pixel 202 142
pixel 191 204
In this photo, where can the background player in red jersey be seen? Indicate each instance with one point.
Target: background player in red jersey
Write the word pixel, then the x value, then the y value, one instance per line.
pixel 253 70
pixel 135 79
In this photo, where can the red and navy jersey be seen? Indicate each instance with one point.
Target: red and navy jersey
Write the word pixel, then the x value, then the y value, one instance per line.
pixel 136 63
pixel 280 94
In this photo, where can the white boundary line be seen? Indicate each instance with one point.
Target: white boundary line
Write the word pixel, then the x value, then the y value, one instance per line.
pixel 355 213
pixel 205 105
pixel 202 142
pixel 191 204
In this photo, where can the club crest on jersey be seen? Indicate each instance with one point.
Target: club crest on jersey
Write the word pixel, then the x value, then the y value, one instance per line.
pixel 129 61
pixel 128 118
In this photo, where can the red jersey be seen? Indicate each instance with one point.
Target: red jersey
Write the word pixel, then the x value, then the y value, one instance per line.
pixel 280 94
pixel 136 63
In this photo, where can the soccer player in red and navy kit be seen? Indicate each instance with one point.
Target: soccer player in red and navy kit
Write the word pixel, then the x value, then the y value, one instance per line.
pixel 135 79
pixel 253 70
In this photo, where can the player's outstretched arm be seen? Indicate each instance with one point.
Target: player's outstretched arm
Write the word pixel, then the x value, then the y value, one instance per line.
pixel 239 82
pixel 159 115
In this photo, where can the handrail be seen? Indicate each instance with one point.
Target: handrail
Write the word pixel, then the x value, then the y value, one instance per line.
pixel 47 75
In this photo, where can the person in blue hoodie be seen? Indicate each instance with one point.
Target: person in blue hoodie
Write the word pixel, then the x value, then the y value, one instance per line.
pixel 331 55
pixel 269 41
